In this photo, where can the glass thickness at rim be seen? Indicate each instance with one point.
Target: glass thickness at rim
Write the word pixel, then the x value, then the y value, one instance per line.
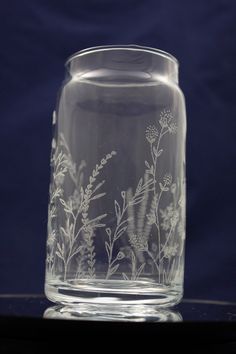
pixel 131 47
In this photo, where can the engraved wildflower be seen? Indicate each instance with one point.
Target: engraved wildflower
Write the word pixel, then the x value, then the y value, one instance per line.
pixel 167 179
pixel 170 251
pixel 165 118
pixel 51 238
pixel 172 128
pixel 170 217
pixel 138 242
pixel 151 134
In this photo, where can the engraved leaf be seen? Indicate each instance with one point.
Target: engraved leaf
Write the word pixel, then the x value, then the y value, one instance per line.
pixel 140 269
pixel 118 211
pixel 59 248
pixel 114 269
pixel 98 186
pixel 77 251
pixel 136 200
pixel 98 218
pixel 108 231
pixel 152 170
pixel 91 180
pixel 120 255
pixel 120 232
pixel 123 194
pixel 147 164
pixel 67 206
pixel 107 247
pixel 155 151
pixel 159 152
pixel 147 185
pixel 125 276
pixel 97 196
pixel 82 193
pixel 98 225
pixel 64 231
pixel 59 255
pixel 139 185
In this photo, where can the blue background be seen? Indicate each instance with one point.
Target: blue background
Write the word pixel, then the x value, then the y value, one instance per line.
pixel 36 37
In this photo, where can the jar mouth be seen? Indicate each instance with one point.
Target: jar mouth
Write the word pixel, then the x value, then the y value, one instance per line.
pixel 128 47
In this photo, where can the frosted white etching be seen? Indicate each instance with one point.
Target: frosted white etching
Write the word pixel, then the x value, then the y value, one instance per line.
pixel 146 237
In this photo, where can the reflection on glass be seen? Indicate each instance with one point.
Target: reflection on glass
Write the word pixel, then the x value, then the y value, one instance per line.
pixel 106 312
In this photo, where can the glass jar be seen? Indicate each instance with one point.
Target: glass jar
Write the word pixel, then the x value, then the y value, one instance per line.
pixel 116 221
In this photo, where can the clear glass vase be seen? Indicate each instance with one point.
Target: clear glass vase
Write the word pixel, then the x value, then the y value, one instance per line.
pixel 116 221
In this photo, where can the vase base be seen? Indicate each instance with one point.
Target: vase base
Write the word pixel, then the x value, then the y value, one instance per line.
pixel 113 312
pixel 114 292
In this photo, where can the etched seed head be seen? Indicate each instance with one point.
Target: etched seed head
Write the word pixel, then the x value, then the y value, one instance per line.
pixel 151 134
pixel 165 118
pixel 172 128
pixel 167 179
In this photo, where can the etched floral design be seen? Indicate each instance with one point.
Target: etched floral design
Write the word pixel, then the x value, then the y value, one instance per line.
pixel 128 201
pixel 170 251
pixel 170 217
pixel 138 242
pixel 166 118
pixel 148 218
pixel 76 235
pixel 51 238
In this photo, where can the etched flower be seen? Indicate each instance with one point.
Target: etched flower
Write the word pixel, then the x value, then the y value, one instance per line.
pixel 51 238
pixel 151 134
pixel 170 217
pixel 138 242
pixel 167 179
pixel 165 118
pixel 170 251
pixel 172 128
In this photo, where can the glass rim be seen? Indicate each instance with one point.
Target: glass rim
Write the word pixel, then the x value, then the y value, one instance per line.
pixel 131 47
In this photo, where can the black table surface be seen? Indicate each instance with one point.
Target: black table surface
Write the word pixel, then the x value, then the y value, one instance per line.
pixel 194 310
pixel 30 323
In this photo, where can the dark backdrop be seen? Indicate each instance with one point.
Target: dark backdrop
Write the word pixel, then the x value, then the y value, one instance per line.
pixel 36 37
